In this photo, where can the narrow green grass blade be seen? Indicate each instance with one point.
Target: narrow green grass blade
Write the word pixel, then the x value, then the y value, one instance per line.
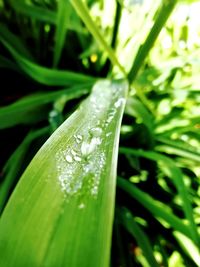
pixel 166 9
pixel 179 152
pixel 43 14
pixel 7 64
pixel 14 41
pixel 26 110
pixel 135 108
pixel 83 12
pixel 47 76
pixel 12 168
pixel 189 247
pixel 41 74
pixel 157 208
pixel 178 148
pixel 61 212
pixel 36 12
pixel 142 239
pixel 63 18
pixel 177 177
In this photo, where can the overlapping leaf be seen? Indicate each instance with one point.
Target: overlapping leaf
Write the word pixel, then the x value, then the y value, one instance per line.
pixel 40 74
pixel 31 109
pixel 68 190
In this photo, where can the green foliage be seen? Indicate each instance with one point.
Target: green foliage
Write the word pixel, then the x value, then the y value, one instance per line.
pixel 65 174
pixel 57 210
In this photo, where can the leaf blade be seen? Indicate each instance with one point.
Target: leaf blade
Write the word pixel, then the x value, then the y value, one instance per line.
pixel 43 226
pixel 157 208
pixel 175 173
pixel 63 18
pixel 26 109
pixel 39 73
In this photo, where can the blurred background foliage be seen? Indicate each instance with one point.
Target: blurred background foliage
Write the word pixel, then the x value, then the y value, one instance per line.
pixel 49 61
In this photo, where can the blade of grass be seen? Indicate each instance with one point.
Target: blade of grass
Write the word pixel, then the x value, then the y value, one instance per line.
pixel 14 41
pixel 158 209
pixel 69 187
pixel 177 177
pixel 179 152
pixel 189 247
pixel 136 231
pixel 44 75
pixel 83 12
pixel 26 109
pixel 177 148
pixel 166 9
pixel 119 244
pixel 7 64
pixel 12 168
pixel 37 12
pixel 63 18
pixel 135 108
pixel 42 14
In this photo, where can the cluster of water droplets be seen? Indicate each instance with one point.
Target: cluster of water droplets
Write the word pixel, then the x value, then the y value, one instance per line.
pixel 80 166
pixel 79 163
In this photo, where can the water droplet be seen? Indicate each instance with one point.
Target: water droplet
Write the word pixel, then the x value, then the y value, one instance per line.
pixel 73 152
pixel 81 206
pixel 88 147
pixel 77 158
pixel 69 159
pixel 97 131
pixel 78 138
pixel 119 102
pixel 108 134
pixel 94 190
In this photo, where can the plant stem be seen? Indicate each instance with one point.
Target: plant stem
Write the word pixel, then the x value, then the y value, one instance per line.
pixel 165 11
pixel 83 12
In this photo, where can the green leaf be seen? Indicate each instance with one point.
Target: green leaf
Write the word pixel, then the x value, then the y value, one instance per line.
pixel 63 18
pixel 189 247
pixel 61 211
pixel 158 209
pixel 166 9
pixel 171 170
pixel 14 41
pixel 44 14
pixel 41 74
pixel 31 109
pixel 12 167
pixel 37 12
pixel 8 64
pixel 137 232
pixel 83 12
pixel 179 148
pixel 135 108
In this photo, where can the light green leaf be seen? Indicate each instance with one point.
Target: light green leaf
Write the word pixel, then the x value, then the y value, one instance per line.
pixel 164 12
pixel 178 147
pixel 189 247
pixel 30 109
pixel 82 10
pixel 65 198
pixel 136 108
pixel 176 260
